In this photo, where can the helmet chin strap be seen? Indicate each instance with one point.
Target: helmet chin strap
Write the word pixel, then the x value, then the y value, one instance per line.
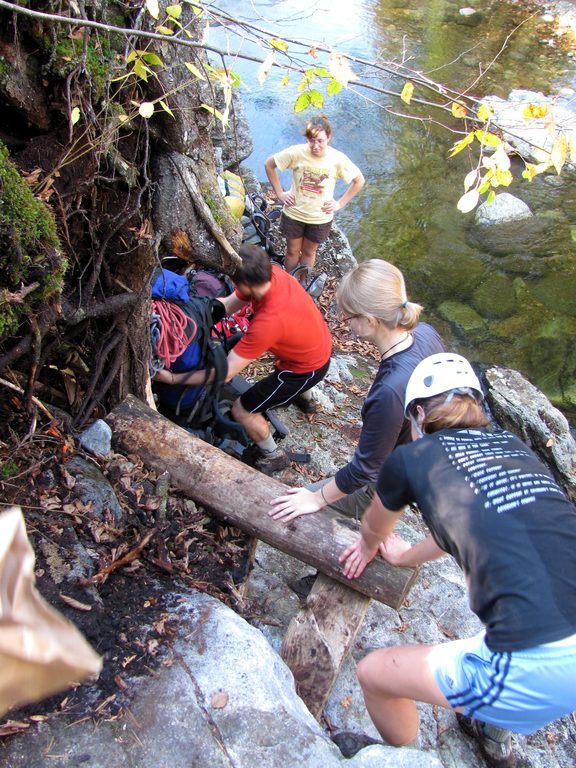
pixel 416 425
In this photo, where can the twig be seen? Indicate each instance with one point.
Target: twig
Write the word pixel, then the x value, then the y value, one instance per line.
pixel 127 558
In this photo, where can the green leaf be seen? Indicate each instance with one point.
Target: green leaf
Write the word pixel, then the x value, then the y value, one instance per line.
pixel 174 11
pixel 485 185
pixel 321 72
pixel 196 7
pixel 75 115
pixel 316 99
pixel 490 197
pixel 146 109
pixel 333 87
pixel 302 102
pixel 468 201
pixel 141 70
pixel 152 59
pixel 166 108
pixel 194 69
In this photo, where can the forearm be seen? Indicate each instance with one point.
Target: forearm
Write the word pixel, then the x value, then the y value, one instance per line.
pixel 351 191
pixel 423 552
pixel 185 378
pixel 273 178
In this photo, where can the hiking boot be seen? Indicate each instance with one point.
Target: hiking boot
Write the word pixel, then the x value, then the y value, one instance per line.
pixel 306 405
pixel 273 461
pixel 349 743
pixel 495 743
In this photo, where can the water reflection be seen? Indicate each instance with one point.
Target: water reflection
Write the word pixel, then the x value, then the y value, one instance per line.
pixel 505 296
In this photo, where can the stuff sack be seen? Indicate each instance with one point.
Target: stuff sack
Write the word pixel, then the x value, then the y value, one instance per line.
pixel 41 652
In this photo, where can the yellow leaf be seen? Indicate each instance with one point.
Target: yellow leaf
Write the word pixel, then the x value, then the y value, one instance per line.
pixel 194 69
pixel 559 152
pixel 505 178
pixel 75 115
pixel 488 139
pixel 153 8
pixel 459 146
pixel 534 110
pixel 146 109
pixel 407 92
pixel 280 45
pixel 164 30
pixel 468 201
pixel 484 112
pixel 264 68
pixel 459 110
pixel 285 80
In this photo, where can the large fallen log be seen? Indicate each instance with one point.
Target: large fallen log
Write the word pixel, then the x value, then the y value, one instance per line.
pixel 240 495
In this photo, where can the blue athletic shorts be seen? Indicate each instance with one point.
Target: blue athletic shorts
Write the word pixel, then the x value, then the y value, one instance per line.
pixel 521 691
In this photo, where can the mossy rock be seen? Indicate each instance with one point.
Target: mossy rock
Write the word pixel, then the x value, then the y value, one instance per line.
pixel 557 290
pixel 446 271
pixel 466 319
pixel 495 297
pixel 29 247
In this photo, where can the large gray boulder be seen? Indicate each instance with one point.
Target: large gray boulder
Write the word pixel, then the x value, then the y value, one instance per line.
pixel 504 208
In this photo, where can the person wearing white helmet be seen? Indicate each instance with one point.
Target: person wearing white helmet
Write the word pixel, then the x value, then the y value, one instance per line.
pixel 490 503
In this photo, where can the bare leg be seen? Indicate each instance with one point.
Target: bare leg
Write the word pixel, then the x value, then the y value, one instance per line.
pixel 308 255
pixel 392 680
pixel 255 424
pixel 293 252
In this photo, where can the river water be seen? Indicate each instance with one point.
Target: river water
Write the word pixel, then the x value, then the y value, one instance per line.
pixel 510 302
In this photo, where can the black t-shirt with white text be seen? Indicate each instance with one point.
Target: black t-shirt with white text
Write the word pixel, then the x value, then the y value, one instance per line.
pixel 490 503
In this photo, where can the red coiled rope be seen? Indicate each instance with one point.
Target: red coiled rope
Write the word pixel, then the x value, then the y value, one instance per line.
pixel 177 331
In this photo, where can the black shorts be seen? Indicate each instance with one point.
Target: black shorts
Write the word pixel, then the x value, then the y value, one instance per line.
pixel 294 230
pixel 280 388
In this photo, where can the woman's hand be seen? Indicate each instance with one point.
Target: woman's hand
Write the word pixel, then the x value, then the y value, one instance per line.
pixel 393 548
pixel 287 198
pixel 298 501
pixel 331 206
pixel 356 557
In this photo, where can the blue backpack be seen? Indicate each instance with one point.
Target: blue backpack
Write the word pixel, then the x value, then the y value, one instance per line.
pixel 202 351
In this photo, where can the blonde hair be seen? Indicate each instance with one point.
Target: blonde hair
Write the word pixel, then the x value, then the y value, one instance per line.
pixel 376 288
pixel 458 412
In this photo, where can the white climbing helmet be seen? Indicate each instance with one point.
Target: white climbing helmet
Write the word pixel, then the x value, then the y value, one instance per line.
pixel 439 373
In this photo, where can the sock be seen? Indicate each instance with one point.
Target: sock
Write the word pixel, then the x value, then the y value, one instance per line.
pixel 268 445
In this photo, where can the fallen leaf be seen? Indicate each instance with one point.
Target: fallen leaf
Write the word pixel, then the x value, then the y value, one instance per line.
pixel 220 700
pixel 346 701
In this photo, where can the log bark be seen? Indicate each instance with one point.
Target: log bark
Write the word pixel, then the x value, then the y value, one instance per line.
pixel 319 637
pixel 240 495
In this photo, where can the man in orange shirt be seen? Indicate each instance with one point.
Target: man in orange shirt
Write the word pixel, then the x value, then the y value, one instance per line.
pixel 288 324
